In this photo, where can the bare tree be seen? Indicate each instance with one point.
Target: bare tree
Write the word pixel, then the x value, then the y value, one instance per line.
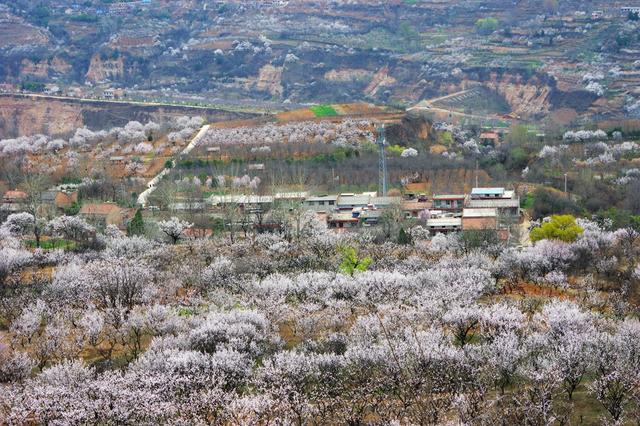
pixel 34 186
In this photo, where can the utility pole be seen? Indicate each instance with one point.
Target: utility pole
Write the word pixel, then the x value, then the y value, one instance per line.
pixel 476 173
pixel 382 162
pixel 565 184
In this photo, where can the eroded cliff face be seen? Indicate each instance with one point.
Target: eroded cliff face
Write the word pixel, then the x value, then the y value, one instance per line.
pixel 269 80
pixel 22 116
pixel 102 70
pixel 45 67
pixel 415 126
pixel 527 97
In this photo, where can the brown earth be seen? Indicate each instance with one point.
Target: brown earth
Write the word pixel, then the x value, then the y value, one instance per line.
pixel 564 116
pixel 44 68
pixel 348 74
pixel 296 115
pixel 526 98
pixel 380 79
pixel 452 181
pixel 21 117
pixel 16 32
pixel 269 80
pixel 25 115
pixel 100 70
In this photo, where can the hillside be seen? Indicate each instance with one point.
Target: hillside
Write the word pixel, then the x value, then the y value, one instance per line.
pixel 535 61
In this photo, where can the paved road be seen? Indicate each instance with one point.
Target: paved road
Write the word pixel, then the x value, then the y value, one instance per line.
pixel 442 98
pixel 196 140
pixel 427 105
pixel 143 198
pixel 223 107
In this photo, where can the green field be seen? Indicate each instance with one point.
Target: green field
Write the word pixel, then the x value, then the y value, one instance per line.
pixel 324 111
pixel 52 244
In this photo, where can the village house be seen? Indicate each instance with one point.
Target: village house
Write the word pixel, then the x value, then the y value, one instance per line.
pixel 626 10
pixel 349 201
pixel 415 190
pixel 384 202
pixel 506 203
pixel 342 220
pixel 487 193
pixel 412 209
pixel 290 197
pixel 64 200
pixel 448 202
pixel 13 202
pixel 7 88
pixel 14 197
pixel 479 219
pixel 443 225
pixel 52 89
pixel 57 200
pixel 255 167
pixel 325 203
pixel 102 215
pixel 253 203
pixel 108 94
pixel 490 138
pixel 368 217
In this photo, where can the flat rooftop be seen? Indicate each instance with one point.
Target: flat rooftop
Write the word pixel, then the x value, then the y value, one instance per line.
pixel 487 191
pixel 495 203
pixel 322 198
pixel 477 213
pixel 449 197
pixel 444 221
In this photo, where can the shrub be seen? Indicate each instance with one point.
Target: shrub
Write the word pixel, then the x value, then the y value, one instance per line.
pixel 561 227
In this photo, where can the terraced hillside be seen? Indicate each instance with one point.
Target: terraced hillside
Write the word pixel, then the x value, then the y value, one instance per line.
pixel 533 59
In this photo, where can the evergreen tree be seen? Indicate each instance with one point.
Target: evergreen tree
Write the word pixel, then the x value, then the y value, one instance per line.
pixel 403 237
pixel 136 226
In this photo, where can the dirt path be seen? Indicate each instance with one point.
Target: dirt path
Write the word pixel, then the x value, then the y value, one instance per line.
pixel 525 240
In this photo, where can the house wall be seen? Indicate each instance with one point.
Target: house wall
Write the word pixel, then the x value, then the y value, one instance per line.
pixel 478 223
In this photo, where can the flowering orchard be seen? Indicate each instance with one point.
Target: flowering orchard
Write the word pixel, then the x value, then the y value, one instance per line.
pixel 272 331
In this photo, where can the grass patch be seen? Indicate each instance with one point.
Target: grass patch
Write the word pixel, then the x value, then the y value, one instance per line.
pixel 52 244
pixel 324 111
pixel 527 201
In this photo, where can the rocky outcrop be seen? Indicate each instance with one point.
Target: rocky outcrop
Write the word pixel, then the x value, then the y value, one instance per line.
pixel 380 80
pixel 270 80
pixel 348 74
pixel 415 126
pixel 22 117
pixel 105 69
pixel 44 68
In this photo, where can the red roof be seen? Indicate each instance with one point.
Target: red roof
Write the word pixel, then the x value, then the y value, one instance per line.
pixel 14 195
pixel 102 209
pixel 489 135
pixel 64 199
